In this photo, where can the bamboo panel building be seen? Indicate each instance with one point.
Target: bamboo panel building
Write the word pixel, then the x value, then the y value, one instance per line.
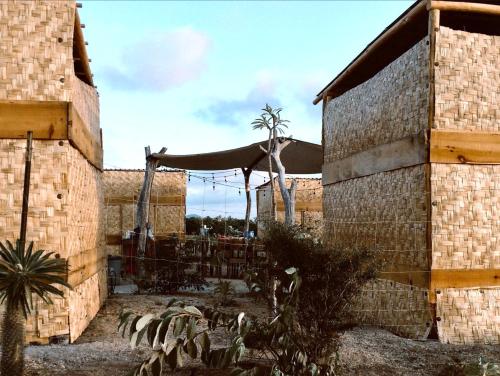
pixel 411 135
pixel 308 205
pixel 46 87
pixel 167 207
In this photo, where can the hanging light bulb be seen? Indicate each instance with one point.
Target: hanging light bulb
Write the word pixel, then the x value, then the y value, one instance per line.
pixel 239 191
pixel 213 177
pixel 213 186
pixel 225 179
pixel 234 172
pixel 189 177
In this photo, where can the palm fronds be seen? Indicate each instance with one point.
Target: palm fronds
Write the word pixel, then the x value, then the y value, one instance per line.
pixel 24 272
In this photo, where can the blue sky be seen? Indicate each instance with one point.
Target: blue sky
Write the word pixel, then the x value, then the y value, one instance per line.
pixel 192 76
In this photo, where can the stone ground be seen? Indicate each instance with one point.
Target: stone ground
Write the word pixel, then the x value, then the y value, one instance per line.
pixel 100 351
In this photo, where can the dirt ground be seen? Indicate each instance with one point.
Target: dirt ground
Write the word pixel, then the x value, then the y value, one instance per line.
pixel 100 351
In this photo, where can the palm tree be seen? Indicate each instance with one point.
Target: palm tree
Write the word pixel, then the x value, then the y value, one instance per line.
pixel 22 273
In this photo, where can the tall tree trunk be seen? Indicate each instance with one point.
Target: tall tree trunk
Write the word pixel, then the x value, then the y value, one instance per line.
pixel 142 216
pixel 273 215
pixel 12 363
pixel 287 195
pixel 246 173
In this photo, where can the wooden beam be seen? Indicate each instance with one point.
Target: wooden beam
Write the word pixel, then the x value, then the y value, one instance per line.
pixel 84 265
pixel 410 278
pixel 113 239
pixel 406 152
pixel 303 206
pixel 159 201
pixel 385 37
pixel 464 147
pixel 82 139
pixel 457 6
pixel 47 120
pixel 462 278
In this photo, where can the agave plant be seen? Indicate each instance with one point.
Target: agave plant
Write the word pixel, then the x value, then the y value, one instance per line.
pixel 22 273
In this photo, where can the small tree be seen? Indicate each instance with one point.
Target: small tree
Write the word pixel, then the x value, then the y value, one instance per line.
pixel 22 273
pixel 271 120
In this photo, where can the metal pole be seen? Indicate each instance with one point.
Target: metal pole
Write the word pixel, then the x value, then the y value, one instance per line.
pixel 26 189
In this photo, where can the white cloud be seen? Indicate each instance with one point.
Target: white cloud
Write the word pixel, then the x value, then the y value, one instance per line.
pixel 161 61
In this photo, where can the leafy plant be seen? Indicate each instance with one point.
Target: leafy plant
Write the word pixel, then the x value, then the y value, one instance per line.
pixel 482 368
pixel 22 273
pixel 330 280
pixel 224 291
pixel 180 332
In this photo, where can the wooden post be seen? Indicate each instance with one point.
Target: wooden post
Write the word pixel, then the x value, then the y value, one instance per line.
pixel 26 189
pixel 142 217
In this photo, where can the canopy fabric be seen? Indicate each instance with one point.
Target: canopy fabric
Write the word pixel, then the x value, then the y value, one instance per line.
pixel 299 157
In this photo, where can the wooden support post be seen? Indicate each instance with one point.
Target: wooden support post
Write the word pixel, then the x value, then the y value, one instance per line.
pixel 26 189
pixel 142 217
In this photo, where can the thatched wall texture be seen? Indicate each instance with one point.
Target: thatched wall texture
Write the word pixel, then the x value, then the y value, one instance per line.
pixel 432 226
pixel 66 215
pixel 393 103
pixel 167 208
pixel 467 93
pixel 308 205
pixel 466 197
pixel 39 91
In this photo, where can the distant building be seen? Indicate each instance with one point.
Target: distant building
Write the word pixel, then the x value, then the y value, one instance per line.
pixel 167 207
pixel 308 205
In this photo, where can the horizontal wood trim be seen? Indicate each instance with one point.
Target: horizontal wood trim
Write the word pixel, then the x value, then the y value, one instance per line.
pixel 47 120
pixel 457 6
pixel 409 151
pixel 410 278
pixel 84 265
pixel 311 206
pixel 113 239
pixel 160 200
pixel 82 139
pixel 464 147
pixel 462 278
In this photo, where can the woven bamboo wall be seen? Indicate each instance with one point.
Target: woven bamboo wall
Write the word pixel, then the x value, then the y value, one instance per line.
pixel 65 216
pixel 308 205
pixel 466 215
pixel 167 206
pixel 401 308
pixel 386 108
pixel 66 208
pixel 467 77
pixel 385 212
pixel 30 33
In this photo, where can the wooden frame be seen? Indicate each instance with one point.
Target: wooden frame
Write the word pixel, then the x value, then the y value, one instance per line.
pixel 47 120
pixel 406 152
pixel 456 6
pixel 50 120
pixel 464 147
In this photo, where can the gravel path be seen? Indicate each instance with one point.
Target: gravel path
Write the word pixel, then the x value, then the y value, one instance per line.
pixel 100 351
